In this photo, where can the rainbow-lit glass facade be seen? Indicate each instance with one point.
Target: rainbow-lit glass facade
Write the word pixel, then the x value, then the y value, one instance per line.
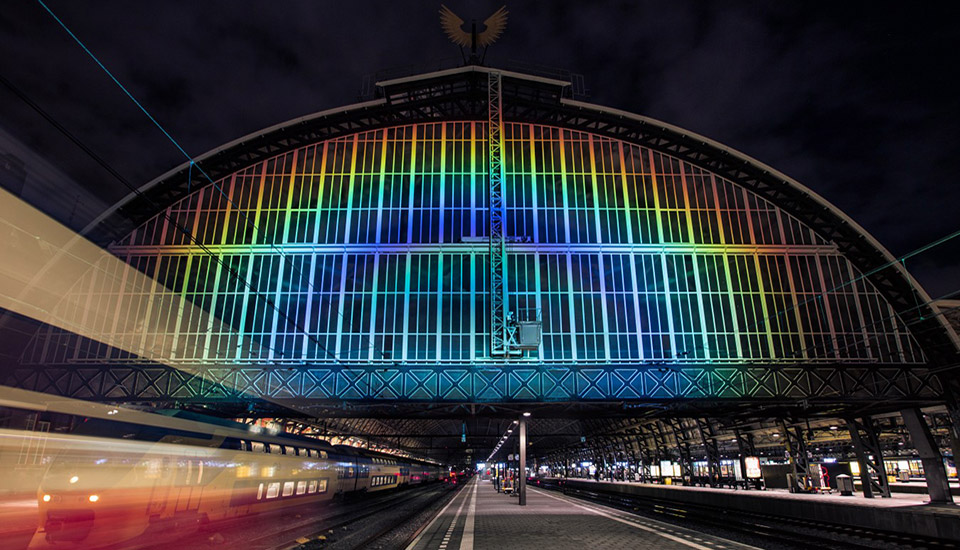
pixel 370 249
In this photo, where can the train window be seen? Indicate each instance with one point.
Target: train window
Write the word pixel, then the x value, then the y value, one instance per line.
pixel 322 487
pixel 287 488
pixel 301 487
pixel 312 486
pixel 312 452
pixel 256 447
pixel 273 490
pixel 260 492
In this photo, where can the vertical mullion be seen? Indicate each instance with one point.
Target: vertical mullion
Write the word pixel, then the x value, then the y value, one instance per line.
pixel 704 342
pixel 633 257
pixel 377 237
pixel 788 259
pixel 532 173
pixel 604 314
pixel 567 240
pixel 180 308
pixel 407 274
pixel 855 293
pixel 825 304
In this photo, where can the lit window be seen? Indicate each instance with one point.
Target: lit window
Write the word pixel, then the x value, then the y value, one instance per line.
pixel 260 492
pixel 287 488
pixel 273 490
pixel 323 486
pixel 312 487
pixel 301 487
pixel 256 447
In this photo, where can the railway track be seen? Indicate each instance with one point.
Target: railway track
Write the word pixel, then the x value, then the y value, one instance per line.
pixel 297 526
pixel 786 532
pixel 346 532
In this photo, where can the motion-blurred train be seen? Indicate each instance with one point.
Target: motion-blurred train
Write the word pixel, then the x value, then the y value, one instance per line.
pixel 113 474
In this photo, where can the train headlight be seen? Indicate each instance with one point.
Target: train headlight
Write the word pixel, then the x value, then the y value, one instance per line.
pixel 46 498
pixel 94 498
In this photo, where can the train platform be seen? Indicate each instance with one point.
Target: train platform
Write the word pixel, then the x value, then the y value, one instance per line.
pixel 903 512
pixel 480 518
pixel 896 500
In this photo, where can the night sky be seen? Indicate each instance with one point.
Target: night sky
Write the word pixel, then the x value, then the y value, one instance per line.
pixel 855 100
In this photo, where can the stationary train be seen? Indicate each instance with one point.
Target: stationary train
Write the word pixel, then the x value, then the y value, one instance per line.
pixel 118 475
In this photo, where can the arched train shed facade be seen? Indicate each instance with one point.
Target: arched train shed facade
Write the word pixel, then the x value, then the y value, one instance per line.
pixel 352 247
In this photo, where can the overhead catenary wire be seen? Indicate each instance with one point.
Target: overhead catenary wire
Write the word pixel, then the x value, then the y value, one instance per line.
pixel 762 322
pixel 176 224
pixel 192 163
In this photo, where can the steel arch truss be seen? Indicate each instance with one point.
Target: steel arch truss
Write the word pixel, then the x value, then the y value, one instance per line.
pixel 462 94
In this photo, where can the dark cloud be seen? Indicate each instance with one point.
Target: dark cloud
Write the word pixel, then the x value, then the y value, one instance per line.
pixel 855 100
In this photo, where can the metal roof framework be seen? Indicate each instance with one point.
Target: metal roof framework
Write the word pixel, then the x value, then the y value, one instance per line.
pixel 461 94
pixel 425 424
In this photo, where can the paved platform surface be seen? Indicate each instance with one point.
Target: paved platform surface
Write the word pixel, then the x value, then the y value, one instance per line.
pixel 904 513
pixel 479 518
pixel 896 500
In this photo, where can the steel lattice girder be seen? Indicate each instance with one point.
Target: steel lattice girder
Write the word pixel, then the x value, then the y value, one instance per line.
pixel 835 384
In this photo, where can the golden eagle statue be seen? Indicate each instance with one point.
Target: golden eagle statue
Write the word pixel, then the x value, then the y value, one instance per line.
pixel 452 25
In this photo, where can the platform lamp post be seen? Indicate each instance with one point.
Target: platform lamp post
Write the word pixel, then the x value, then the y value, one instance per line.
pixel 523 458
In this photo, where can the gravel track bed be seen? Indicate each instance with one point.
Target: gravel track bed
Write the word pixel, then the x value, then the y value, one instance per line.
pixel 393 521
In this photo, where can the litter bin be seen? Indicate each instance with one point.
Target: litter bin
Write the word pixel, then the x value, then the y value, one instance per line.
pixel 845 485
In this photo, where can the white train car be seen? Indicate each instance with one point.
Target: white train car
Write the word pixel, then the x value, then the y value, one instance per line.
pixel 117 475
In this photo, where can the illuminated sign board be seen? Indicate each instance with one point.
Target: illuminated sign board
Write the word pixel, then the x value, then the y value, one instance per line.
pixel 753 467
